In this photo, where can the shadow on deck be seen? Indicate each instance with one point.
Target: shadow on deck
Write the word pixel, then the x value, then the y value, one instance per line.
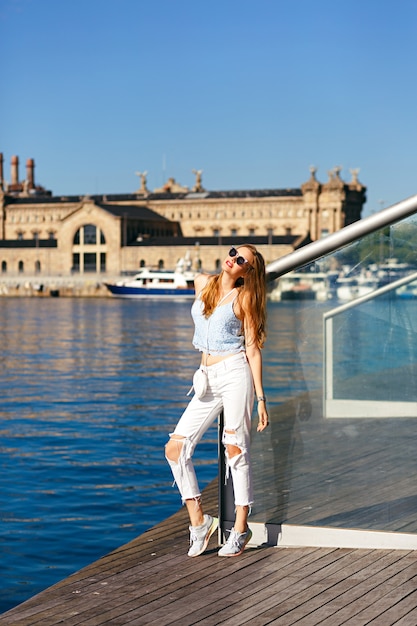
pixel 152 581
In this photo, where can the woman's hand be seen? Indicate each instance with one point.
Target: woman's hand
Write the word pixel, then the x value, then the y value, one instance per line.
pixel 263 417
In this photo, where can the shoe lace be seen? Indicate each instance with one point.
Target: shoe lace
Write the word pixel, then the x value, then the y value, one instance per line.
pixel 233 539
pixel 193 537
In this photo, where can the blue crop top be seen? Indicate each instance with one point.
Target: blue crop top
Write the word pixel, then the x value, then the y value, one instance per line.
pixel 219 334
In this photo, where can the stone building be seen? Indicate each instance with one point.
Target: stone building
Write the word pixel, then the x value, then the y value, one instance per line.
pixel 115 234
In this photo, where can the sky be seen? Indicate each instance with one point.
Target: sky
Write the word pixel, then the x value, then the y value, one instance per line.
pixel 252 92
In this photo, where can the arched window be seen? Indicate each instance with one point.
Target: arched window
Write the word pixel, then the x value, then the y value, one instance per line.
pixel 37 267
pixel 4 267
pixel 21 267
pixel 89 250
pixel 161 264
pixel 89 235
pixel 142 263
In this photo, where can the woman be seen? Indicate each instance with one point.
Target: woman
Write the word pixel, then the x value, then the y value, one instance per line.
pixel 229 317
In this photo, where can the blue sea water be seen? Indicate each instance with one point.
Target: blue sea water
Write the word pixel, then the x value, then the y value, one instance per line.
pixel 90 389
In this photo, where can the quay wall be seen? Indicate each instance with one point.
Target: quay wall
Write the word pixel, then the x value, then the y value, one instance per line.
pixel 56 286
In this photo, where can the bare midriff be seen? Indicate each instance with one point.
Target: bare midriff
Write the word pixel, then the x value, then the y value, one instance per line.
pixel 212 359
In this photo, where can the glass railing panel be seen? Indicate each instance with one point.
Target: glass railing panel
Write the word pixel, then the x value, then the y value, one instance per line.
pixel 371 355
pixel 354 471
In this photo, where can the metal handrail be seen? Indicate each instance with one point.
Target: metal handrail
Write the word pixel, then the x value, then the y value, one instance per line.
pixel 315 250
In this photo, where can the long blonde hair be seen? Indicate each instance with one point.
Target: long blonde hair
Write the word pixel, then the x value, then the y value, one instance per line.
pixel 252 295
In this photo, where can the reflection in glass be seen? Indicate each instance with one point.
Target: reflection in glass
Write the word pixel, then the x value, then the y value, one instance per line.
pixel 355 470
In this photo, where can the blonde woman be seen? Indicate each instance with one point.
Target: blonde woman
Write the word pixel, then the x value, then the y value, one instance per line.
pixel 229 316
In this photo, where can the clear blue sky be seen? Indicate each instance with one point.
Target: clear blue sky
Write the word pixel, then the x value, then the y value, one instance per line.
pixel 251 92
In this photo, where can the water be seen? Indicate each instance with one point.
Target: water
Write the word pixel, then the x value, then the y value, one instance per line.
pixel 90 390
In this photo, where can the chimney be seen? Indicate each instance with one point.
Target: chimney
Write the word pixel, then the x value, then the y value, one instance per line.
pixel 30 174
pixel 15 170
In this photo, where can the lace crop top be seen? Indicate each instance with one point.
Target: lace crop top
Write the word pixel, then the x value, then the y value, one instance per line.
pixel 219 334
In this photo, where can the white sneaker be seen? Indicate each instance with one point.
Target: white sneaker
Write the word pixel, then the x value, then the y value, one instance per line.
pixel 200 535
pixel 236 543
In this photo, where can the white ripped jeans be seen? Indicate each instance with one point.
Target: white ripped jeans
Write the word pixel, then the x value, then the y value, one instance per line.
pixel 230 388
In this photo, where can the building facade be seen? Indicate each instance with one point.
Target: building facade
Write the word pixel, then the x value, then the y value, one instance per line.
pixel 116 234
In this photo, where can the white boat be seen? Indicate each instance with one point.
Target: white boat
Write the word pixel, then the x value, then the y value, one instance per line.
pixel 351 287
pixel 408 291
pixel 392 270
pixel 149 283
pixel 301 286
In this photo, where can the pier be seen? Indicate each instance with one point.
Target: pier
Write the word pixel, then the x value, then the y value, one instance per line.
pixel 151 580
pixel 40 286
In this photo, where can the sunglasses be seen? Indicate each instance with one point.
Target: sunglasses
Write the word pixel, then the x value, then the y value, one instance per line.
pixel 240 260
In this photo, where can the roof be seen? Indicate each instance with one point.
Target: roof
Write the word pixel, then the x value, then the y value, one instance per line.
pixel 133 212
pixel 249 193
pixel 283 240
pixel 102 200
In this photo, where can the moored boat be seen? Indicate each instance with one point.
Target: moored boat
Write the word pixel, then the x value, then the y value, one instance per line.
pixel 351 287
pixel 301 286
pixel 149 283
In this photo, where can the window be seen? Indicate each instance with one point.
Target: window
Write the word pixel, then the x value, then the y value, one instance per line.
pixel 4 267
pixel 20 236
pixel 88 253
pixel 75 262
pixel 21 267
pixel 90 262
pixel 233 232
pixel 37 267
pixel 251 232
pixel 90 234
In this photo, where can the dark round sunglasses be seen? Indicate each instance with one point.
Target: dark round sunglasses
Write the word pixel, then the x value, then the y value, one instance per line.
pixel 240 260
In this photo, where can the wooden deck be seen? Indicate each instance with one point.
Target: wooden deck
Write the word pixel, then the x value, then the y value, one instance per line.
pixel 152 581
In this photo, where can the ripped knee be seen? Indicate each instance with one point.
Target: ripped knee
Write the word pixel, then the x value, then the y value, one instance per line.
pixel 232 450
pixel 174 447
pixel 230 442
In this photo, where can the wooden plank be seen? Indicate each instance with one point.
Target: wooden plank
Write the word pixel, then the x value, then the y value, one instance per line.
pixel 151 580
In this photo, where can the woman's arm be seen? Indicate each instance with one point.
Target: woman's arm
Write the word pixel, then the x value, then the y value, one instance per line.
pixel 200 281
pixel 254 356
